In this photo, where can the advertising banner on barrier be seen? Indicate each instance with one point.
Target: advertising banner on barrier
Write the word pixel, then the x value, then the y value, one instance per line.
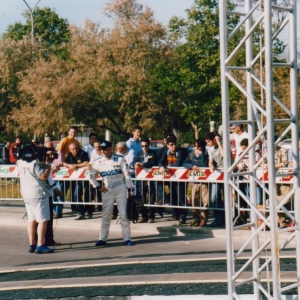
pixel 172 174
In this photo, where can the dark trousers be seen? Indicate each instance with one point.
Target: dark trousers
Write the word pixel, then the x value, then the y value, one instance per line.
pixel 151 192
pixel 49 231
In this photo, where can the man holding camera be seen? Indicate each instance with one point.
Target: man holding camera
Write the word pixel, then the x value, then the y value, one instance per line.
pixel 34 168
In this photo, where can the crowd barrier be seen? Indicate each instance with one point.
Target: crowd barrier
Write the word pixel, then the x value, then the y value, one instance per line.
pixel 174 189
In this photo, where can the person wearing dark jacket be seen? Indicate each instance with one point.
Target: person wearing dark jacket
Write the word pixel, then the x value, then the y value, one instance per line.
pixel 146 158
pixel 197 159
pixel 174 156
pixel 75 159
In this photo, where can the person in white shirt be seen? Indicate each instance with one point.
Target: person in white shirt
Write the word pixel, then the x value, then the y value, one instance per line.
pixel 90 146
pixel 95 153
pixel 238 134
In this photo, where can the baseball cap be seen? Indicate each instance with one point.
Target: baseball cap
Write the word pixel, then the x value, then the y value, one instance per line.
pixel 236 125
pixel 105 144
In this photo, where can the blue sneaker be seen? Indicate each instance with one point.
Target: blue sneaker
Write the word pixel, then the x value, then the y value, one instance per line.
pixel 43 250
pixel 32 248
pixel 128 243
pixel 100 243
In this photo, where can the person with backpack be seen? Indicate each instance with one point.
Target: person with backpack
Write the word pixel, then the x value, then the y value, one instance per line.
pixel 197 159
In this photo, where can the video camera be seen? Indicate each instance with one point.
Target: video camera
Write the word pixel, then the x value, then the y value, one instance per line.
pixel 31 152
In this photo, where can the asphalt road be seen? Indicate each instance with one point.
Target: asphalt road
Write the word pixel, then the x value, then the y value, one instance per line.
pixel 77 257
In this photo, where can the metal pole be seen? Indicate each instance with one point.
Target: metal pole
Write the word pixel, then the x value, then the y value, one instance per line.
pixel 31 11
pixel 270 150
pixel 251 137
pixel 295 131
pixel 226 146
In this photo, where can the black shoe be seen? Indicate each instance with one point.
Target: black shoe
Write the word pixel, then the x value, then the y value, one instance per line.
pixel 32 248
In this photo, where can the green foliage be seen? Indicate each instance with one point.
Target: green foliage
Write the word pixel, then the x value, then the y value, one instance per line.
pixel 52 30
pixel 192 78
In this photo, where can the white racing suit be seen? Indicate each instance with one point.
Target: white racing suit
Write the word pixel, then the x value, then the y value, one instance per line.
pixel 116 178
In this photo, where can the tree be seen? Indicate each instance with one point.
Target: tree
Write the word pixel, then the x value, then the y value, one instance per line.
pixel 17 57
pixel 192 80
pixel 52 30
pixel 104 83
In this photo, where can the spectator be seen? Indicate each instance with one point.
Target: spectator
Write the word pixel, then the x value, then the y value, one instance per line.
pixel 163 191
pixel 282 161
pixel 77 158
pixel 117 183
pixel 243 166
pixel 62 150
pixel 88 148
pixel 197 159
pixel 163 149
pixel 122 149
pixel 88 193
pixel 5 153
pixel 134 142
pixel 63 146
pixel 215 153
pixel 238 135
pixel 49 237
pixel 13 151
pixel 146 158
pixel 96 153
pixel 174 157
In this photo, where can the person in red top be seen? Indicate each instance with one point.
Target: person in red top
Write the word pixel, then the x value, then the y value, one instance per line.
pixel 13 151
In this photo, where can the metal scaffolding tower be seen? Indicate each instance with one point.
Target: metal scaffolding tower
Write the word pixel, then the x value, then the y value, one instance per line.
pixel 254 80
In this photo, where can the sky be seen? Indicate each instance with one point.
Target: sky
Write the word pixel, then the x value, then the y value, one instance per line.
pixel 77 11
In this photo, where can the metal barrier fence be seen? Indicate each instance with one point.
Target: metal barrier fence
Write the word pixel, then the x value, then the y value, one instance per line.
pixel 178 188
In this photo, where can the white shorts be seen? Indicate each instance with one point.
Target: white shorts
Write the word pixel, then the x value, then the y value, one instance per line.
pixel 38 210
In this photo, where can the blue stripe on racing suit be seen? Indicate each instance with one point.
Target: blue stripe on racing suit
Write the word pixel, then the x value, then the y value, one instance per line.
pixel 111 173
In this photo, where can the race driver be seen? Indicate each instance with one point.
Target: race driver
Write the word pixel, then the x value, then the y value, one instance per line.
pixel 116 187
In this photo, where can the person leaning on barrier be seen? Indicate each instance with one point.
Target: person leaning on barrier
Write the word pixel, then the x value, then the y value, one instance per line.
pixel 63 150
pixel 281 161
pixel 77 158
pixel 215 153
pixel 163 193
pixel 117 184
pixel 197 159
pixel 174 156
pixel 36 192
pixel 146 158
